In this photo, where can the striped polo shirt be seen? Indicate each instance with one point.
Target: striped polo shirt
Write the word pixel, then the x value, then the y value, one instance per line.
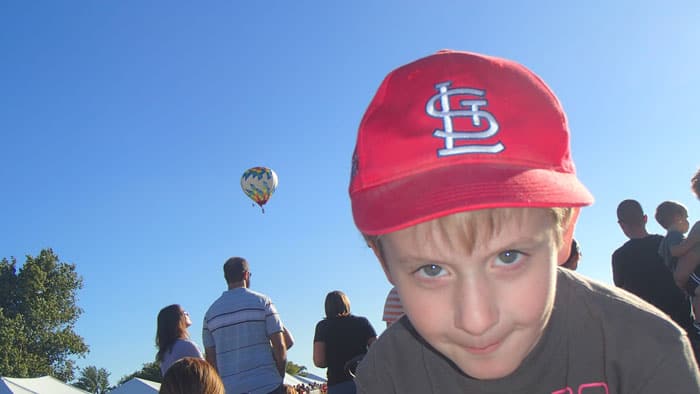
pixel 393 309
pixel 239 324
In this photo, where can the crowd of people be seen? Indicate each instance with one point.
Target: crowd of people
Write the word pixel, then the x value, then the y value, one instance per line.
pixel 471 214
pixel 246 343
pixel 662 270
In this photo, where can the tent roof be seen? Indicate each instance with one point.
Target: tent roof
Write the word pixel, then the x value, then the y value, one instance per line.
pixel 308 379
pixel 311 378
pixel 291 380
pixel 41 385
pixel 137 386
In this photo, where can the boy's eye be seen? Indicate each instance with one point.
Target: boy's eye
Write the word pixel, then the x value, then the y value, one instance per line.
pixel 509 257
pixel 430 271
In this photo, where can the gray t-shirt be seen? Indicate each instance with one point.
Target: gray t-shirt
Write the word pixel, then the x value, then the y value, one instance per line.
pixel 181 348
pixel 598 340
pixel 672 238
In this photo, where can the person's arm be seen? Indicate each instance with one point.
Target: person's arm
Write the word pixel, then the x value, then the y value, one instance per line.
pixel 320 354
pixel 288 338
pixel 210 356
pixel 680 249
pixel 685 245
pixel 209 345
pixel 618 277
pixel 279 351
pixel 371 334
pixel 371 340
pixel 675 372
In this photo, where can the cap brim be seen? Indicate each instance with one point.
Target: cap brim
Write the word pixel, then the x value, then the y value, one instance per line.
pixel 428 195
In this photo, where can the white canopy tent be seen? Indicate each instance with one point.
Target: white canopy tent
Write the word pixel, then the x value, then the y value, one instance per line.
pixel 292 380
pixel 41 385
pixel 137 386
pixel 311 378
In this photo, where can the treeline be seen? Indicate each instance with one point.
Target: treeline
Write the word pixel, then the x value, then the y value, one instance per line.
pixel 38 312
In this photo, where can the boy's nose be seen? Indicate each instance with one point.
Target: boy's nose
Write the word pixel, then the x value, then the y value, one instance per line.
pixel 476 310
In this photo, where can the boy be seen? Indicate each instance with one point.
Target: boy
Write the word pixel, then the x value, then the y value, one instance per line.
pixel 463 185
pixel 678 253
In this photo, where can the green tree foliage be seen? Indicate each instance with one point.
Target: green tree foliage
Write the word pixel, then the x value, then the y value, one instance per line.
pixel 149 371
pixel 295 369
pixel 93 380
pixel 38 312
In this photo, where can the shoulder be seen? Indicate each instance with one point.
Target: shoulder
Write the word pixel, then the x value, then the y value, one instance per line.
pixel 637 245
pixel 245 295
pixel 671 234
pixel 397 345
pixel 186 347
pixel 185 342
pixel 360 319
pixel 393 295
pixel 263 298
pixel 619 253
pixel 611 306
pixel 399 361
pixel 322 324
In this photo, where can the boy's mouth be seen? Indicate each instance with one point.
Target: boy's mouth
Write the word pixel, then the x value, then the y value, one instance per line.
pixel 480 350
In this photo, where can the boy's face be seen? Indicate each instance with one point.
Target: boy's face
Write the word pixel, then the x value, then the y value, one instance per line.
pixel 485 307
pixel 680 223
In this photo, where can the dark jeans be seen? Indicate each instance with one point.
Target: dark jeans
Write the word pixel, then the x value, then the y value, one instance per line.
pixel 347 387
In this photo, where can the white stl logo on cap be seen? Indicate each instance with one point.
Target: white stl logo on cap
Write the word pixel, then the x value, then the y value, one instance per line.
pixel 473 111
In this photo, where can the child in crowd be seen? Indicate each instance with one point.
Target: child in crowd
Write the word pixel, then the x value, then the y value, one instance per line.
pixel 191 375
pixel 463 185
pixel 678 253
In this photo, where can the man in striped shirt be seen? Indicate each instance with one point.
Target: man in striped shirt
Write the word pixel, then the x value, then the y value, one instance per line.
pixel 243 336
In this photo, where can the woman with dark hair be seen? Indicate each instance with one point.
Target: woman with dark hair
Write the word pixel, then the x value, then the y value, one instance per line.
pixel 172 339
pixel 341 338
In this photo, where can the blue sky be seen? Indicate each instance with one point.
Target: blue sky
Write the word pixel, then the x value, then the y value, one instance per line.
pixel 125 127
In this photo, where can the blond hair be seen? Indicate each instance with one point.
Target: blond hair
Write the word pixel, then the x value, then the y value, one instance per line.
pixel 486 222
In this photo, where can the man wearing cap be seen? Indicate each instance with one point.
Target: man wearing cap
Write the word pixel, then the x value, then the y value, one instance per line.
pixel 243 336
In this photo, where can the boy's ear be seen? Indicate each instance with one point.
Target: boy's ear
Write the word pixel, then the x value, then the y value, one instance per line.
pixel 378 252
pixel 567 234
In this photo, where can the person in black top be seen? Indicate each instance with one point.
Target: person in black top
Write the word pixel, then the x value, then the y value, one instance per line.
pixel 638 268
pixel 341 338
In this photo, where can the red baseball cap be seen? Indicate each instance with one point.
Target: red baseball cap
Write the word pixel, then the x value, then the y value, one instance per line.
pixel 459 131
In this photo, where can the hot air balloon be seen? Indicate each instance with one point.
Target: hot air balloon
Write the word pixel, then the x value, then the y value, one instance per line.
pixel 259 183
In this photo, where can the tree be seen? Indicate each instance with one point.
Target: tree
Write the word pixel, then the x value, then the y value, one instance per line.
pixel 38 312
pixel 93 380
pixel 149 371
pixel 295 369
